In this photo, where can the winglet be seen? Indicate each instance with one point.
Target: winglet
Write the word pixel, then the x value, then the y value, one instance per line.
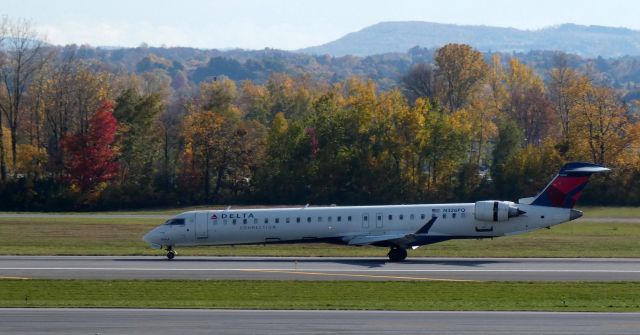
pixel 425 229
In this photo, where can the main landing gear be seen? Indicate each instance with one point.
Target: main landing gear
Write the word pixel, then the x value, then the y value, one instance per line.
pixel 171 253
pixel 397 254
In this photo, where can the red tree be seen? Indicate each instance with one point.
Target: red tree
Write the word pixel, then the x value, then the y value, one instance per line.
pixel 89 158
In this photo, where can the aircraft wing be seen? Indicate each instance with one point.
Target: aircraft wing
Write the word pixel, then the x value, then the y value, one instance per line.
pixel 369 239
pixel 394 238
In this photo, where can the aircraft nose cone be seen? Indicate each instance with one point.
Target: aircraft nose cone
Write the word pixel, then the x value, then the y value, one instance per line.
pixel 152 237
pixel 575 214
pixel 148 237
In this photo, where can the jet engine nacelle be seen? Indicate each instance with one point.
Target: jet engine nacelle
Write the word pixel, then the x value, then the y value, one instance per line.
pixel 493 210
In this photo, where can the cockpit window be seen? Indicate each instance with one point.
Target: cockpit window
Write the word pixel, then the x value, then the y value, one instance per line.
pixel 175 222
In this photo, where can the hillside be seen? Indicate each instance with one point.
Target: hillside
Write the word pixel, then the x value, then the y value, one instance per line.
pixel 186 68
pixel 586 41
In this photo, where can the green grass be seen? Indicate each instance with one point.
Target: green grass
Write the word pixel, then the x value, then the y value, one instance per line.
pixel 95 236
pixel 157 211
pixel 74 236
pixel 524 296
pixel 613 212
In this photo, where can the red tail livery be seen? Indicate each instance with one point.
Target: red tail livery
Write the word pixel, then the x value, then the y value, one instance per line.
pixel 565 189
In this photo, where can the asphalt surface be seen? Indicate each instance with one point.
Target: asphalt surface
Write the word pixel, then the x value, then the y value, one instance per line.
pixel 158 322
pixel 314 268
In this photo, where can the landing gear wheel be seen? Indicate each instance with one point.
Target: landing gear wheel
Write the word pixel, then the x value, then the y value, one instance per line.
pixel 171 254
pixel 397 254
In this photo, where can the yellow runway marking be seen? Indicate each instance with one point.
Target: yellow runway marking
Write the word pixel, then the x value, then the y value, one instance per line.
pixel 360 276
pixel 10 277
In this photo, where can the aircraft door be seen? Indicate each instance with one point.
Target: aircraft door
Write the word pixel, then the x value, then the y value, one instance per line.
pixel 379 218
pixel 202 231
pixel 365 220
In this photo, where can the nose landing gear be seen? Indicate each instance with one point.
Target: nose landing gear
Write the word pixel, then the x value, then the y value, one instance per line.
pixel 171 253
pixel 397 254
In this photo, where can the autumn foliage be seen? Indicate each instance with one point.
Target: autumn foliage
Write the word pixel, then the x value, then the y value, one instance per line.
pixel 460 125
pixel 89 158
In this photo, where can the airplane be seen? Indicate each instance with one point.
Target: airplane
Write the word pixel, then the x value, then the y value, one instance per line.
pixel 397 227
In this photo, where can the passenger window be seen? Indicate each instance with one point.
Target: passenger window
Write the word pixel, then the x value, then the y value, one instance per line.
pixel 422 216
pixel 390 217
pixel 401 217
pixel 329 219
pixel 365 218
pixel 224 221
pixel 411 217
pixel 462 215
pixel 308 219
pixel 453 215
pixel 234 221
pixel 255 220
pixel 266 220
pixel 339 218
pixel 277 220
pixel 349 218
pixel 287 220
pixel 244 221
pixel 444 215
pixel 297 220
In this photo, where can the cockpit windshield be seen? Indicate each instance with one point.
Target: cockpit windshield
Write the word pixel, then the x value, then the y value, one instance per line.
pixel 175 222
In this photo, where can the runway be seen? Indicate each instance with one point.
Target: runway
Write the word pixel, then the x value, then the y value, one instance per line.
pixel 315 268
pixel 265 322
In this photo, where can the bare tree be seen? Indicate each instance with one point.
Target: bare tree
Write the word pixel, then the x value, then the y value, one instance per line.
pixel 3 166
pixel 24 57
pixel 419 82
pixel 563 78
pixel 59 106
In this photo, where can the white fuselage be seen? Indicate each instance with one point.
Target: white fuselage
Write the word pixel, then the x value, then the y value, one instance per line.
pixel 346 224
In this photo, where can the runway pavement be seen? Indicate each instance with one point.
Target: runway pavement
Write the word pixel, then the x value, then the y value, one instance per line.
pixel 314 268
pixel 145 321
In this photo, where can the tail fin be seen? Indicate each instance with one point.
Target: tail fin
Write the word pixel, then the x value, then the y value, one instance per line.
pixel 564 190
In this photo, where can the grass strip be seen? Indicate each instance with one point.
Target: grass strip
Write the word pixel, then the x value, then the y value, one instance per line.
pixel 359 295
pixel 108 236
pixel 593 211
pixel 613 212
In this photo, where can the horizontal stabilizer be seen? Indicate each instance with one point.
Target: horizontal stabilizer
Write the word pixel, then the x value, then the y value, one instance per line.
pixel 577 168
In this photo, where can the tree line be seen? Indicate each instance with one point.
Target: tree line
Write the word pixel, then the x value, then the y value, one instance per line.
pixel 459 127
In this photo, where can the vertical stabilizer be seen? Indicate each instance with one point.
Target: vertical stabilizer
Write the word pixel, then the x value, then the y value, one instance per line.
pixel 565 189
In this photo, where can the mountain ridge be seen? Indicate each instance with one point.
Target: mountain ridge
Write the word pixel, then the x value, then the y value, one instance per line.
pixel 400 36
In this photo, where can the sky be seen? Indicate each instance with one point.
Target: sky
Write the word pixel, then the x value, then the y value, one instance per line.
pixel 287 24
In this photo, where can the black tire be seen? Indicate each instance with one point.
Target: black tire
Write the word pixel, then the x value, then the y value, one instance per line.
pixel 171 254
pixel 397 254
